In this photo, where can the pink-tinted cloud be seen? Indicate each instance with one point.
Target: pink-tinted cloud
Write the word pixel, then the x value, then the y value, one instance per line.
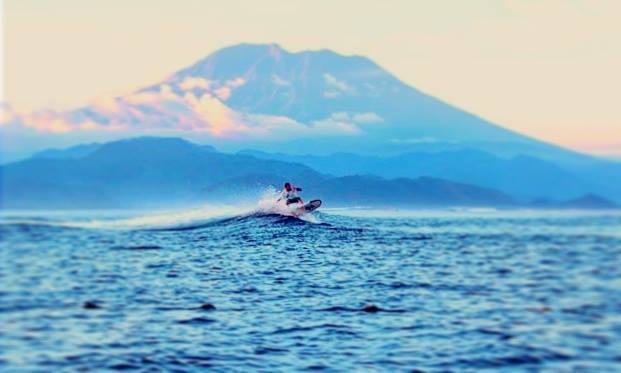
pixel 236 83
pixel 164 109
pixel 7 115
pixel 192 82
pixel 223 93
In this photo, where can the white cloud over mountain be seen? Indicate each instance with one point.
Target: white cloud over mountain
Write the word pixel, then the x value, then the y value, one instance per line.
pixel 193 104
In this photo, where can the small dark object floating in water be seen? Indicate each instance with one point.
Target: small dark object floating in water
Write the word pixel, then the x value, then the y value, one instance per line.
pixel 371 308
pixel 197 320
pixel 137 248
pixel 207 307
pixel 91 305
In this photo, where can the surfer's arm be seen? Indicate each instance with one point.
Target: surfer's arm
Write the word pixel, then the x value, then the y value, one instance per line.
pixel 282 195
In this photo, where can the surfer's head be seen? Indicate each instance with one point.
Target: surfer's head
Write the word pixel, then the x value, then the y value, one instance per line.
pixel 288 187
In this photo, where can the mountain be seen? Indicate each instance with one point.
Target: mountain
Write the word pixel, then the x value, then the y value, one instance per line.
pixel 73 152
pixel 80 151
pixel 589 201
pixel 357 104
pixel 163 172
pixel 586 202
pixel 265 97
pixel 129 173
pixel 521 176
pixel 365 190
pixel 262 97
pixel 312 86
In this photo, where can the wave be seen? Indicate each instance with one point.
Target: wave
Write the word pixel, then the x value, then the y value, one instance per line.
pixel 254 217
pixel 267 210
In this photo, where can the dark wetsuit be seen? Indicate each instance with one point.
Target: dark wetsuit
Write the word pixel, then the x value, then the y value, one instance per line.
pixel 291 196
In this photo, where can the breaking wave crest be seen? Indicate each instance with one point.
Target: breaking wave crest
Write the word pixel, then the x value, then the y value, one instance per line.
pixel 267 209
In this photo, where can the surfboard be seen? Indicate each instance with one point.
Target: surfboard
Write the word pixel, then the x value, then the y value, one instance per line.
pixel 312 205
pixel 307 208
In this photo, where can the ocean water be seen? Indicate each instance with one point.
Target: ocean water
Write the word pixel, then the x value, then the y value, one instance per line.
pixel 232 290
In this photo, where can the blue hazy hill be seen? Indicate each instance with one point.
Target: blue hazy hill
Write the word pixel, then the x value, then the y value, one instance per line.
pixel 369 190
pixel 524 177
pixel 130 172
pixel 151 171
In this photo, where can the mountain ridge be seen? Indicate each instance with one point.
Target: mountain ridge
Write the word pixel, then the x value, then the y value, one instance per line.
pixel 147 172
pixel 521 176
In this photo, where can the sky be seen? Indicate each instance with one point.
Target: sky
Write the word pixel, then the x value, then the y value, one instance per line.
pixel 547 68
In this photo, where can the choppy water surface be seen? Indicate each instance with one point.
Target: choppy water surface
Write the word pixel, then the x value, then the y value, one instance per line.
pixel 429 292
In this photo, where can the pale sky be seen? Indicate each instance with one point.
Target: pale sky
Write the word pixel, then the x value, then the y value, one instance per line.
pixel 547 68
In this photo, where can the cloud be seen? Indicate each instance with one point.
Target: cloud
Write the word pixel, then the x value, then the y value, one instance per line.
pixel 219 119
pixel 332 81
pixel 416 140
pixel 281 127
pixel 89 125
pixel 58 125
pixel 185 110
pixel 333 127
pixel 192 82
pixel 358 118
pixel 235 83
pixel 339 85
pixel 331 94
pixel 7 114
pixel 277 80
pixel 336 87
pixel 145 97
pixel 107 105
pixel 55 122
pixel 47 121
pixel 223 93
pixel 337 123
pixel 341 116
pixel 274 127
pixel 367 118
pixel 166 92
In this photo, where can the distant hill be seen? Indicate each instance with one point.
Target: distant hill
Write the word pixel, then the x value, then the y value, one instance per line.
pixel 81 151
pixel 135 172
pixel 148 171
pixel 360 190
pixel 73 152
pixel 524 177
pixel 585 202
pixel 589 201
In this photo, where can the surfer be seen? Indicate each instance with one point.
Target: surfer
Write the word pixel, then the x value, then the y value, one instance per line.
pixel 290 194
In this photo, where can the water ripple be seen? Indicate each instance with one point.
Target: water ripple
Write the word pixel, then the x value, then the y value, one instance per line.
pixel 271 293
